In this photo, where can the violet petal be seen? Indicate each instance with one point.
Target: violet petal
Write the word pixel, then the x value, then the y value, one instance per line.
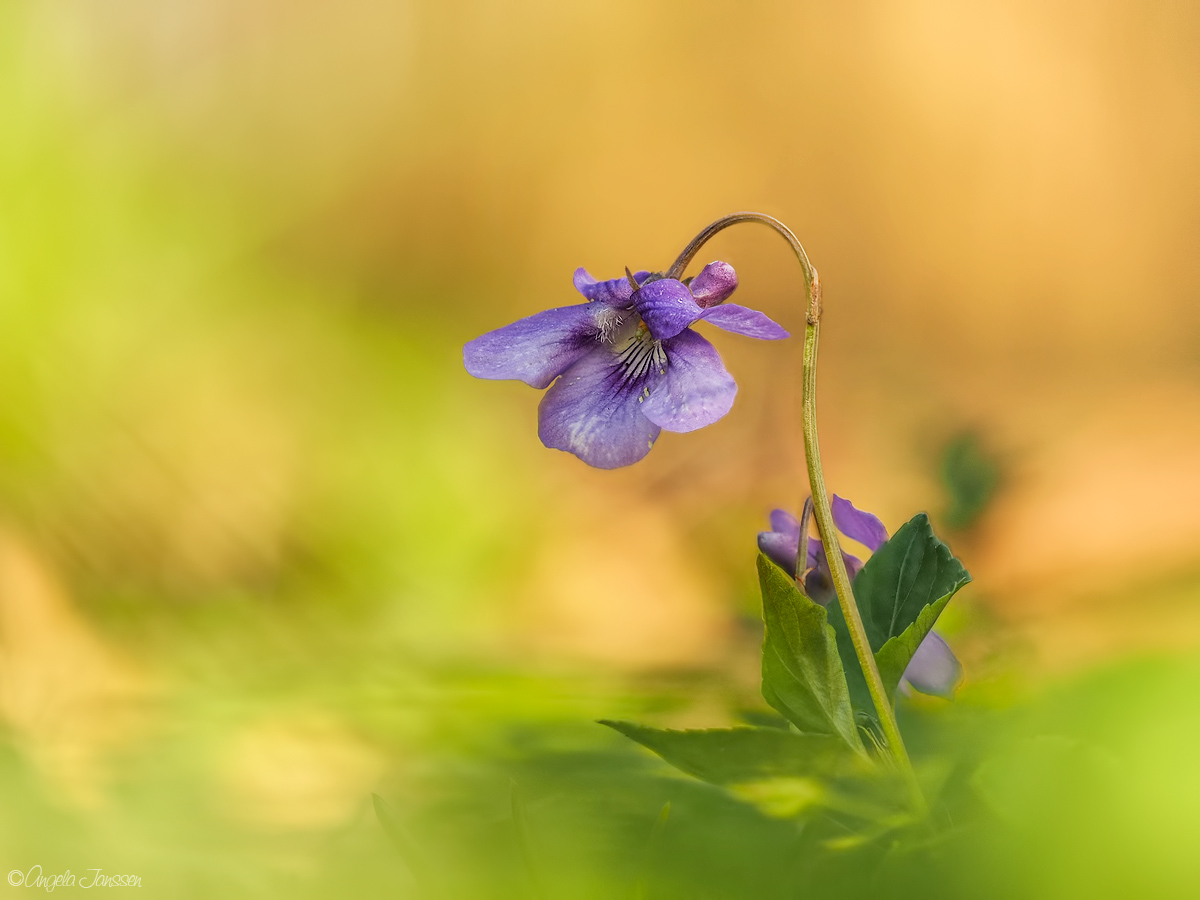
pixel 818 586
pixel 614 292
pixel 593 412
pixel 742 320
pixel 858 525
pixel 785 523
pixel 667 307
pixel 535 349
pixel 934 669
pixel 714 284
pixel 695 390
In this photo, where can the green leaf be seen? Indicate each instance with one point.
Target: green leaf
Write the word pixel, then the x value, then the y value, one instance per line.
pixel 900 591
pixel 908 573
pixel 729 756
pixel 970 475
pixel 856 681
pixel 894 656
pixel 802 674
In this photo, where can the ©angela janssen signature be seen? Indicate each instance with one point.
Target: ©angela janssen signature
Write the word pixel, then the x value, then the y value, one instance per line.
pixel 34 877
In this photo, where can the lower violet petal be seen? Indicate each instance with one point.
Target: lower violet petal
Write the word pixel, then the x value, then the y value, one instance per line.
pixel 695 390
pixel 535 349
pixel 593 412
pixel 934 669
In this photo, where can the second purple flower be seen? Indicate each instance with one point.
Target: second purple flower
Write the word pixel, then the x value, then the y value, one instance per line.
pixel 934 669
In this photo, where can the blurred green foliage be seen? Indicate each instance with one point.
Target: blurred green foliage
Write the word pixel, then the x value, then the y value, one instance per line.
pixel 1088 789
pixel 970 476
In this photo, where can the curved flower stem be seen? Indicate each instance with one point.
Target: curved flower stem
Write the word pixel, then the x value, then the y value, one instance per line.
pixel 822 511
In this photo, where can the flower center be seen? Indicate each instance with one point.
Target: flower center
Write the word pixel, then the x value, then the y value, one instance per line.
pixel 609 322
pixel 638 354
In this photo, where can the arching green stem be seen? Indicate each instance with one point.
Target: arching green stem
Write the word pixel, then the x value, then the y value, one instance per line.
pixel 822 511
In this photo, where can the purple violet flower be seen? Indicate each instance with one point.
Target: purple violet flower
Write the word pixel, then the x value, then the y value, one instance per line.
pixel 627 362
pixel 933 669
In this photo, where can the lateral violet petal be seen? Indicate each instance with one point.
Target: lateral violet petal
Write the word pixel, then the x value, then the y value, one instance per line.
pixel 780 548
pixel 535 349
pixel 858 525
pixel 714 284
pixel 582 279
pixel 934 669
pixel 741 320
pixel 593 412
pixel 695 389
pixel 667 307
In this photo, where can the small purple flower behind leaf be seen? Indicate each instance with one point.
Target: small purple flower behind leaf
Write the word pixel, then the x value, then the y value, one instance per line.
pixel 626 364
pixel 933 669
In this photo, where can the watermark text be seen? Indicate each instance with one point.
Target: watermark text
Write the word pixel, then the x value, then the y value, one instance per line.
pixel 34 877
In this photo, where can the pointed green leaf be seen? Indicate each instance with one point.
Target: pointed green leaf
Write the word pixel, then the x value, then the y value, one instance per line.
pixel 900 592
pixel 802 673
pixel 742 755
pixel 911 571
pixel 894 656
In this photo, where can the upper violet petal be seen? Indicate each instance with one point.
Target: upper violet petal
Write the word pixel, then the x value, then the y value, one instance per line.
pixel 593 412
pixel 535 349
pixel 582 279
pixel 695 389
pixel 667 307
pixel 858 525
pixel 934 669
pixel 714 284
pixel 785 523
pixel 782 549
pixel 741 320
pixel 614 292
